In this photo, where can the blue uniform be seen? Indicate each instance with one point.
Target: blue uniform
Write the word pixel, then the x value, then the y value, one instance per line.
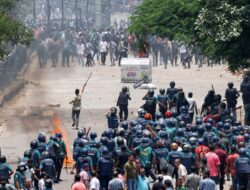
pixel 48 166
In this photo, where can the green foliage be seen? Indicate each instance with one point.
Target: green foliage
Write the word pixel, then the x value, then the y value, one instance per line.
pixel 11 31
pixel 220 27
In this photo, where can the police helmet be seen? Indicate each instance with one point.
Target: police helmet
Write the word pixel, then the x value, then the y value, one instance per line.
pixel 162 123
pixel 151 92
pixel 59 135
pixel 200 141
pixel 172 122
pixel 124 89
pixel 27 154
pixel 113 110
pixel 200 129
pixel 124 125
pixel 247 137
pixel 139 133
pixel 215 139
pixel 45 155
pixel 120 141
pixel 179 118
pixel 34 144
pixel 211 121
pixel 235 130
pixel 208 126
pixel 198 121
pixel 186 148
pixel 183 109
pixel 146 142
pixel 146 134
pixel 180 132
pixel 230 85
pixel 110 133
pixel 163 134
pixel 227 126
pixel 121 132
pixel 93 135
pixel 104 140
pixel 158 115
pixel 21 166
pixel 219 125
pixel 41 137
pixel 53 137
pixel 105 151
pixel 182 124
pixel 133 130
pixel 172 84
pixel 141 112
pixel 133 123
pixel 80 133
pixel 194 127
pixel 162 91
pixel 2 159
pixel 193 140
pixel 242 152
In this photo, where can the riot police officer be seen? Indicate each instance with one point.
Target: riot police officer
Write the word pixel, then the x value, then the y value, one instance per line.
pixel 150 104
pixel 162 102
pixel 231 96
pixel 122 102
pixel 242 167
pixel 187 158
pixel 35 154
pixel 47 165
pixel 112 119
pixel 5 169
pixel 171 93
pixel 63 154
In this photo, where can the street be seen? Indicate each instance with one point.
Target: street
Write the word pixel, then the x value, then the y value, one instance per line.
pixel 49 91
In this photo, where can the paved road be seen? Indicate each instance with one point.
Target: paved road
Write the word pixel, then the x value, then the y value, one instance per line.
pixel 49 91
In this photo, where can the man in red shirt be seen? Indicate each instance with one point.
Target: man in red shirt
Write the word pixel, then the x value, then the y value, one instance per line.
pixel 230 169
pixel 201 149
pixel 213 163
pixel 222 156
pixel 78 185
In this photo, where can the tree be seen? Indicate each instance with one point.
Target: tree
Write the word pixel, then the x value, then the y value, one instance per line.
pixel 11 30
pixel 219 27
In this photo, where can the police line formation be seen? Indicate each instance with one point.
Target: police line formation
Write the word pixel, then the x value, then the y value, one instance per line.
pixel 169 144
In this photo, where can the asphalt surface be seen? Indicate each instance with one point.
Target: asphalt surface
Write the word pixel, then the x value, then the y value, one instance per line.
pixel 50 90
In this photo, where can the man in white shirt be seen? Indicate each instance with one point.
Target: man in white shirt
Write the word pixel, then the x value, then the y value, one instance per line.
pixel 192 106
pixel 182 171
pixel 94 182
pixel 80 53
pixel 103 48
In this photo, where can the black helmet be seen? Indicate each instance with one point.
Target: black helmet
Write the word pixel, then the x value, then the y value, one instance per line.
pixel 158 115
pixel 162 91
pixel 105 151
pixel 230 85
pixel 93 135
pixel 120 141
pixel 21 166
pixel 141 112
pixel 27 154
pixel 80 133
pixel 133 123
pixel 113 110
pixel 124 125
pixel 53 137
pixel 45 154
pixel 242 152
pixel 172 84
pixel 124 89
pixel 59 135
pixel 2 159
pixel 151 92
pixel 187 148
pixel 104 140
pixel 34 144
pixel 41 137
